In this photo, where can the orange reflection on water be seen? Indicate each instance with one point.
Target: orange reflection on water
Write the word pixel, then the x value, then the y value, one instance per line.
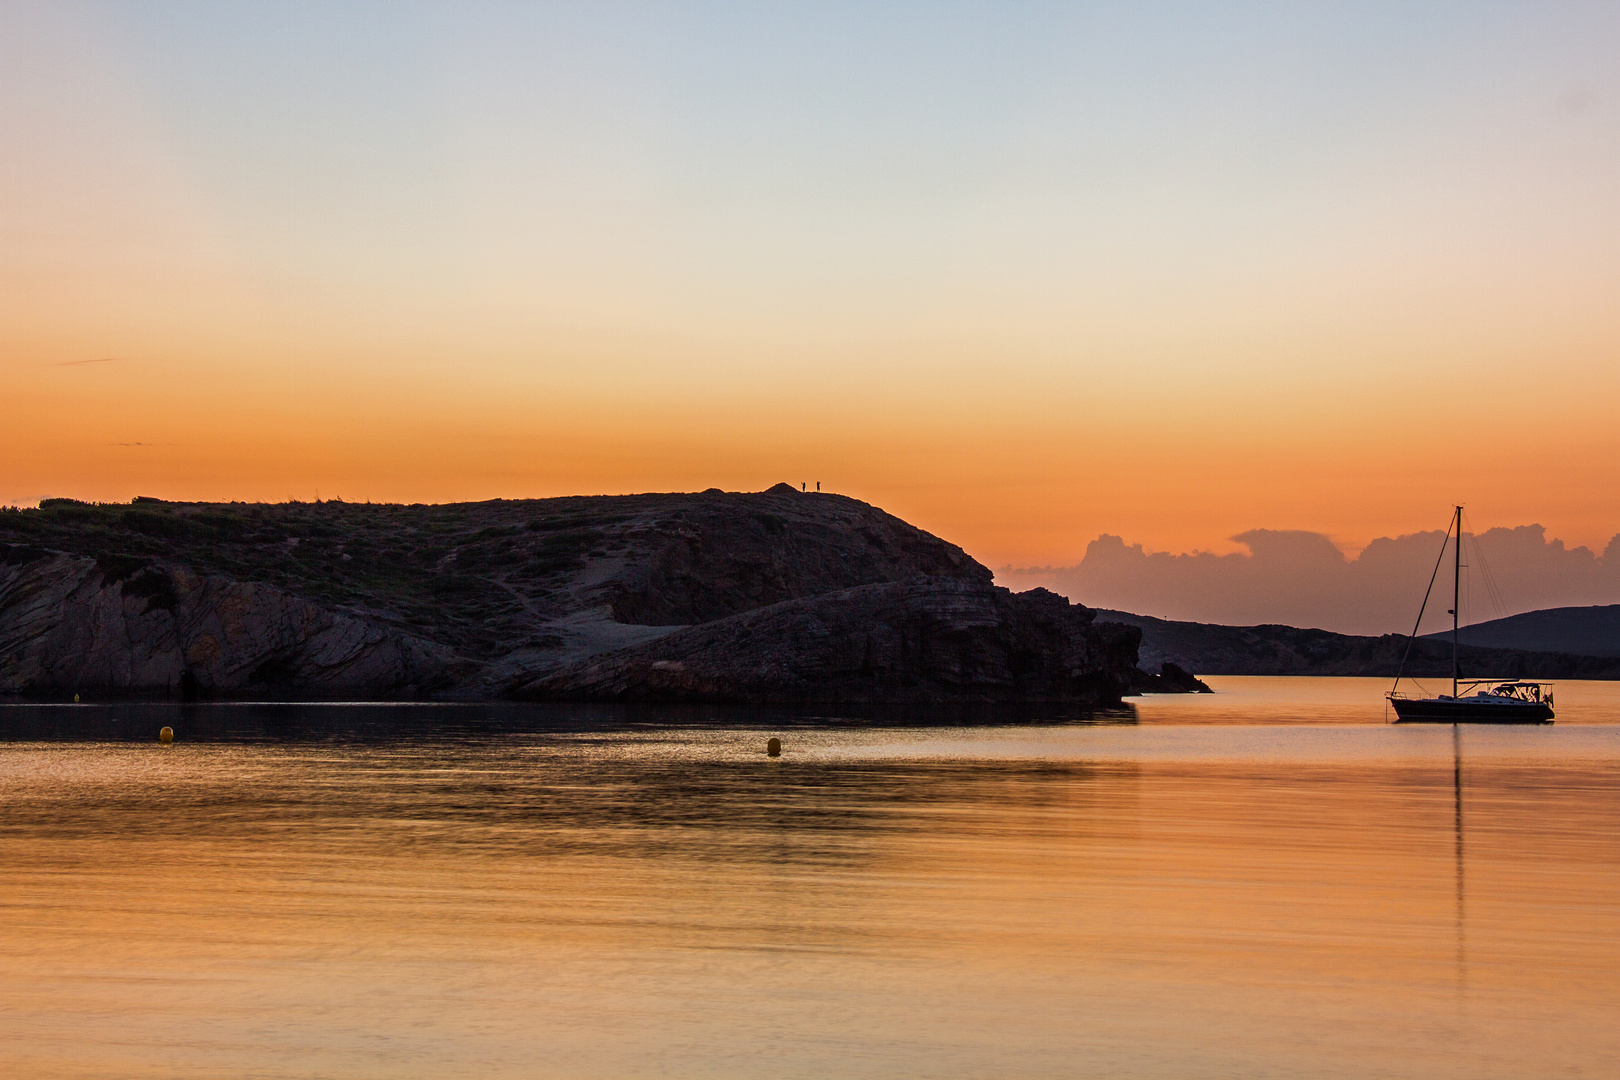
pixel 1049 901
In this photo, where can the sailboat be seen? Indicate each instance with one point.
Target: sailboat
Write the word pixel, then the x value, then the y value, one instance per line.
pixel 1471 701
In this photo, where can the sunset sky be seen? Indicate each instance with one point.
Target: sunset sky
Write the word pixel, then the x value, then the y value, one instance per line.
pixel 1019 273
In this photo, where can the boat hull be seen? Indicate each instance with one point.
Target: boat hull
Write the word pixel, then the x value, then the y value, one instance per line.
pixel 1470 711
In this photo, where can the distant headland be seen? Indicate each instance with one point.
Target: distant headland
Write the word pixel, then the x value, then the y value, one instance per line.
pixel 779 596
pixel 1563 643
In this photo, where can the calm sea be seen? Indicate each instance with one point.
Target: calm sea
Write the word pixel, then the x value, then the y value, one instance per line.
pixel 1264 882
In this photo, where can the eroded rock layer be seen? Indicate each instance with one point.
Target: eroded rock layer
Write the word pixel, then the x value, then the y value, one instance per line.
pixel 70 622
pixel 927 639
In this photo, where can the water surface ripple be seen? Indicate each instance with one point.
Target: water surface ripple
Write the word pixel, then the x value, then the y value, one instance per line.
pixel 1210 887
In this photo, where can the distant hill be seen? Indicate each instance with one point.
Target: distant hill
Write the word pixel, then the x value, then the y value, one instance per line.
pixel 1211 649
pixel 1584 631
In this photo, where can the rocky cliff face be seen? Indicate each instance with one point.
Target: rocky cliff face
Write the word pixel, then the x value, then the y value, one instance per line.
pixel 488 600
pixel 926 639
pixel 69 622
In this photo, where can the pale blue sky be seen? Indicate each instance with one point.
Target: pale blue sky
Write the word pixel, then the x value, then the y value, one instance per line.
pixel 758 148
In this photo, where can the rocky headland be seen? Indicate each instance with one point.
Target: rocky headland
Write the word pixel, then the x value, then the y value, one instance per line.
pixel 777 596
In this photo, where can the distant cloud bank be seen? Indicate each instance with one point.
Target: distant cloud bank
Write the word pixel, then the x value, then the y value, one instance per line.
pixel 1302 579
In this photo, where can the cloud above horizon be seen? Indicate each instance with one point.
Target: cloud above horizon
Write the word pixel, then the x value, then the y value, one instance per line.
pixel 1302 579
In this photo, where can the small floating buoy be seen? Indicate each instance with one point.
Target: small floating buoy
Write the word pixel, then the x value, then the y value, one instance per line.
pixel 773 748
pixel 166 735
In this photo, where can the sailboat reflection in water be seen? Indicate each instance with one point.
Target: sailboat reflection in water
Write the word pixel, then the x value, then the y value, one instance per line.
pixel 1491 701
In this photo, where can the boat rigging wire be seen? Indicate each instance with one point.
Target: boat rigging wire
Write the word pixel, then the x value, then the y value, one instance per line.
pixel 1493 593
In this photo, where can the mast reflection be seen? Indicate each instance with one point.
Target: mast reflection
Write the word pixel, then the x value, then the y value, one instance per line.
pixel 1456 786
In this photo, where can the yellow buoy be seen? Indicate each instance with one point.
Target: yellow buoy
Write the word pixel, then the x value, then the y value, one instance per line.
pixel 774 748
pixel 166 735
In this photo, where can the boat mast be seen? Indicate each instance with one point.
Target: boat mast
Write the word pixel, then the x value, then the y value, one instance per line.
pixel 1456 584
pixel 1434 575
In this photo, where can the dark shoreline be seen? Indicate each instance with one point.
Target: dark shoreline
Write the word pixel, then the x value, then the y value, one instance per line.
pixel 254 722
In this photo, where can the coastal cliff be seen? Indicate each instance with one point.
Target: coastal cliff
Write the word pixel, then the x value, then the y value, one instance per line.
pixel 770 596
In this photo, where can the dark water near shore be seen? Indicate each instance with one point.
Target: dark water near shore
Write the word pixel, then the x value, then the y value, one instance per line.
pixel 1262 882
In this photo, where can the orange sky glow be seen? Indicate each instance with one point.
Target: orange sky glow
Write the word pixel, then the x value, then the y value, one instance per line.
pixel 988 282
